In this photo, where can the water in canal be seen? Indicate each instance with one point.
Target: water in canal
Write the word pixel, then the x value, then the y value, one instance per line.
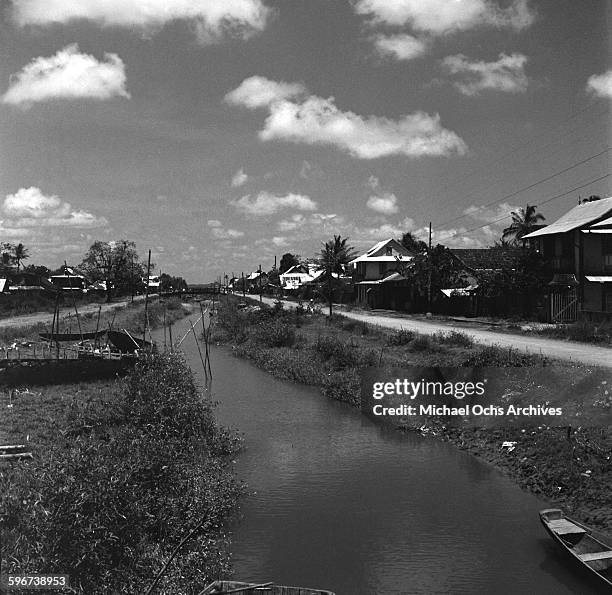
pixel 343 504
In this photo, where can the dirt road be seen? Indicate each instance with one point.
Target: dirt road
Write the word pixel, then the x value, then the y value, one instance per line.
pixel 566 350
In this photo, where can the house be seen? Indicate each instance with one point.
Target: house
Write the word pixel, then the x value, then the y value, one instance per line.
pixel 377 276
pixel 256 280
pixel 579 248
pixel 69 280
pixel 299 275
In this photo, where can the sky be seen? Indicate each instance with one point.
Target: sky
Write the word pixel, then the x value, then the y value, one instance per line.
pixel 222 134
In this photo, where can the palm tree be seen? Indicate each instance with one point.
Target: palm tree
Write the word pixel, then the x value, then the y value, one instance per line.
pixel 334 256
pixel 524 221
pixel 20 253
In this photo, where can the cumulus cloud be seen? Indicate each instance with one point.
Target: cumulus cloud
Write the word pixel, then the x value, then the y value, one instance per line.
pixel 280 241
pixel 221 233
pixel 600 84
pixel 212 19
pixel 490 213
pixel 440 17
pixel 68 74
pixel 386 203
pixel 266 203
pixel 317 121
pixel 401 46
pixel 30 208
pixel 384 231
pixel 239 179
pixel 506 74
pixel 258 91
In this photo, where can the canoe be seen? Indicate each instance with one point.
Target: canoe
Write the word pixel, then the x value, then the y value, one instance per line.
pixel 223 587
pixel 576 539
pixel 126 342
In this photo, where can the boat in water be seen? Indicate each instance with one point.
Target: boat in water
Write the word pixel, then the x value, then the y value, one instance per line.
pixel 223 587
pixel 72 337
pixel 126 342
pixel 575 538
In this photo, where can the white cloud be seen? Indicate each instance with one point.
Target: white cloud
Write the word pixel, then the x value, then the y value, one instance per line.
pixel 30 208
pixel 600 84
pixel 239 179
pixel 491 213
pixel 280 241
pixel 317 121
pixel 385 203
pixel 258 91
pixel 213 19
pixel 384 231
pixel 440 17
pixel 67 75
pixel 221 233
pixel 401 46
pixel 266 203
pixel 506 74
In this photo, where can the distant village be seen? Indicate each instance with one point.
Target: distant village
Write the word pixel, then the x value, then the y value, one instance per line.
pixel 556 272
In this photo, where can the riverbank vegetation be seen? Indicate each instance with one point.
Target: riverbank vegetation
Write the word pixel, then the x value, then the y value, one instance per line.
pixel 568 466
pixel 121 473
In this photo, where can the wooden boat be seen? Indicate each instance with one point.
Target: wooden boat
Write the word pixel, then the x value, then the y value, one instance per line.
pixel 126 342
pixel 224 587
pixel 576 539
pixel 73 337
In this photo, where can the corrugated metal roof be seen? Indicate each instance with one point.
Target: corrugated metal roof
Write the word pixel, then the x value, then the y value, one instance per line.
pixel 604 223
pixel 599 279
pixel 579 216
pixel 369 255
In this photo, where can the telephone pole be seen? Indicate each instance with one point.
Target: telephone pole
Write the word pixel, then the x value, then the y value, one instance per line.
pixel 429 274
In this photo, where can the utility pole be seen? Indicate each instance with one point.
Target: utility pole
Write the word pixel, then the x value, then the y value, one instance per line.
pixel 243 287
pixel 429 274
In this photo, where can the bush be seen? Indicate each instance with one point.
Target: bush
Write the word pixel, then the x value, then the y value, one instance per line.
pixel 454 338
pixel 495 356
pixel 339 354
pixel 401 337
pixel 343 386
pixel 275 333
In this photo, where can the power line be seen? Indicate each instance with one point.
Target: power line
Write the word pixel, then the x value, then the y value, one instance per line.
pixel 540 203
pixel 533 185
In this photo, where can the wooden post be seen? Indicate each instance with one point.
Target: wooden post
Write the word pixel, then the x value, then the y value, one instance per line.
pixel 146 310
pixel 429 273
pixel 243 286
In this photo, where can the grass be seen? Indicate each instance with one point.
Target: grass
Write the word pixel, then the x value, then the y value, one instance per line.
pixel 582 331
pixel 121 473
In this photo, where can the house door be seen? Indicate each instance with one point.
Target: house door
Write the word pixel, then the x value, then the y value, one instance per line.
pixel 564 306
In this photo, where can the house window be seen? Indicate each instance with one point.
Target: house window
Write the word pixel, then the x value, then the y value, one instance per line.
pixel 389 251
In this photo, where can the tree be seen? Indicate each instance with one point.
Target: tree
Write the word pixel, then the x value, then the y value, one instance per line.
pixel 20 253
pixel 524 221
pixel 116 263
pixel 413 244
pixel 7 257
pixel 334 256
pixel 288 260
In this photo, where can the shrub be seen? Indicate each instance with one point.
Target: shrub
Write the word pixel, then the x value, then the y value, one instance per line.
pixel 422 343
pixel 343 386
pixel 401 337
pixel 454 338
pixel 495 356
pixel 340 355
pixel 275 333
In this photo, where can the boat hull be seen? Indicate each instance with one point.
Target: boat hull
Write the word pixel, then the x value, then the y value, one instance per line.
pixel 219 587
pixel 591 555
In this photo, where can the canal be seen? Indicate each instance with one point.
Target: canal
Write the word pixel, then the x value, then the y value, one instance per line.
pixel 343 504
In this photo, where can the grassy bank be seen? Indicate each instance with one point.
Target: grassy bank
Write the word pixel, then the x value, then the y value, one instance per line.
pixel 122 473
pixel 573 471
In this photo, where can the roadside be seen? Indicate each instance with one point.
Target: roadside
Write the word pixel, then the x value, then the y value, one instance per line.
pixel 565 350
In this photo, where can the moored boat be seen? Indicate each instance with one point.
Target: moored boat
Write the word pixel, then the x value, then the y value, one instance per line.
pixel 575 538
pixel 62 337
pixel 225 587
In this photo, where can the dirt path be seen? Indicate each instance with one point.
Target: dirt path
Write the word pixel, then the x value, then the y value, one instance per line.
pixel 567 350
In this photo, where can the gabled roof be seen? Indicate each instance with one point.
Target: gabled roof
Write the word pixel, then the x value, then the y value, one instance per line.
pixel 377 253
pixel 486 259
pixel 579 216
pixel 296 269
pixel 605 223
